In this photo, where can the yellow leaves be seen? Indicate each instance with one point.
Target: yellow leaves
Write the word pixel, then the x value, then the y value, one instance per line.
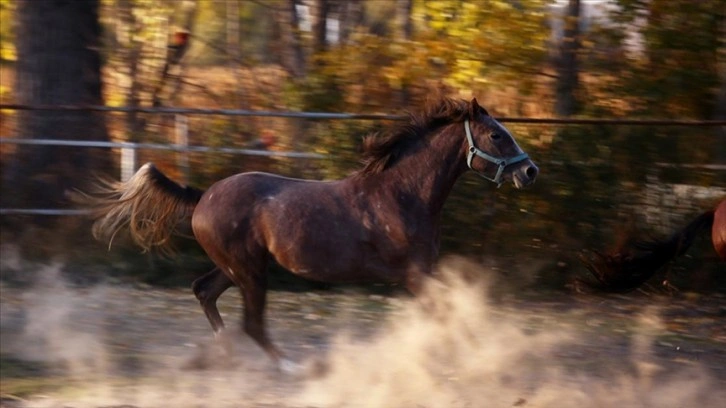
pixel 463 44
pixel 471 35
pixel 7 48
pixel 7 51
pixel 115 99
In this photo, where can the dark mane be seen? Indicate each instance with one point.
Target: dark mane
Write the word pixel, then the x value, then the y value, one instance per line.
pixel 380 151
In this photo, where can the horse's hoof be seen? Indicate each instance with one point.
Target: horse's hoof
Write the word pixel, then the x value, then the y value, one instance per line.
pixel 309 370
pixel 290 367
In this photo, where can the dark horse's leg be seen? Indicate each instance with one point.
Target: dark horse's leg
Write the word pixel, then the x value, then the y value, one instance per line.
pixel 253 288
pixel 254 297
pixel 207 289
pixel 417 275
pixel 248 271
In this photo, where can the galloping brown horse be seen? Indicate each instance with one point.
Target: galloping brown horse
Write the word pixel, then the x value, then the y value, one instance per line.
pixel 379 224
pixel 626 269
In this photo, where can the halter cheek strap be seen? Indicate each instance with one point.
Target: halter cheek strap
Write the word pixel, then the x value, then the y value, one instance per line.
pixel 500 162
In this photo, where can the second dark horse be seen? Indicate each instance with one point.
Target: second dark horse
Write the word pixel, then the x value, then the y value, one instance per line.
pixel 380 224
pixel 631 265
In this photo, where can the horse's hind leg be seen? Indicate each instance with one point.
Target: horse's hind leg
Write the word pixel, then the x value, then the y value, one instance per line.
pixel 207 289
pixel 254 297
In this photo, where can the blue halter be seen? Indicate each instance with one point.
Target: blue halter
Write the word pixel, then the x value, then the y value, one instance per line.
pixel 500 162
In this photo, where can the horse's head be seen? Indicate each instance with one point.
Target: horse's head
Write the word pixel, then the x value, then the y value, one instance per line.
pixel 493 153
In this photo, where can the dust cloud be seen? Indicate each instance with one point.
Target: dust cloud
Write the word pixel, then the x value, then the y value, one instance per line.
pixel 456 347
pixel 456 352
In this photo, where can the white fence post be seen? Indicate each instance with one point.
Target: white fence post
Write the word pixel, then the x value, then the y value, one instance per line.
pixel 181 127
pixel 128 161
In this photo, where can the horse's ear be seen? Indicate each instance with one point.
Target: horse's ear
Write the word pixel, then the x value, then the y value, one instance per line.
pixel 475 109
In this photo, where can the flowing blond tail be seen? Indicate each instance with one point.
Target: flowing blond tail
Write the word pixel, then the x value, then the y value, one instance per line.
pixel 151 205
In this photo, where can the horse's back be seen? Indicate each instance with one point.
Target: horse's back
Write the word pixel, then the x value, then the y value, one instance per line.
pixel 230 206
pixel 292 219
pixel 254 183
pixel 718 232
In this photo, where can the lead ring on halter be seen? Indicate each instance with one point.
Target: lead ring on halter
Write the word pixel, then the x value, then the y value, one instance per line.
pixel 500 162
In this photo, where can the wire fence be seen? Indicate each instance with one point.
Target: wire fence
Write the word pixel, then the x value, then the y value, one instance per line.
pixel 160 146
pixel 349 116
pixel 128 150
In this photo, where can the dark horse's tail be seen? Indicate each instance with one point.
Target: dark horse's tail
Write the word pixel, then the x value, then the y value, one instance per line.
pixel 625 269
pixel 150 204
pixel 679 242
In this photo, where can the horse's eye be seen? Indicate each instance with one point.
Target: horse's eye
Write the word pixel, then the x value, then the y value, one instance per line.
pixel 496 136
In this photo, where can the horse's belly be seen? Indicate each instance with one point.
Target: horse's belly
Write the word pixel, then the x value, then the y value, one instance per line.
pixel 318 237
pixel 338 264
pixel 350 275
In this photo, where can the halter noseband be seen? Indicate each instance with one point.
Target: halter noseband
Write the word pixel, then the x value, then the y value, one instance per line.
pixel 500 162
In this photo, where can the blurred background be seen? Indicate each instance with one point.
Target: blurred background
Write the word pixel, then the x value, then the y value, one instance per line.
pixel 210 88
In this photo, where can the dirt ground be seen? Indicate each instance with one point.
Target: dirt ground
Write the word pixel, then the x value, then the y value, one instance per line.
pixel 126 345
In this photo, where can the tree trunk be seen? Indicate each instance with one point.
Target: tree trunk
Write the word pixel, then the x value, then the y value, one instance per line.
pixel 403 15
pixel 58 44
pixel 291 48
pixel 177 48
pixel 131 54
pixel 567 64
pixel 320 27
pixel 720 110
pixel 405 33
pixel 351 16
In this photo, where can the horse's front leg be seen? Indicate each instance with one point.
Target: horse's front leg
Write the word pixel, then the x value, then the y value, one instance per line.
pixel 418 275
pixel 427 288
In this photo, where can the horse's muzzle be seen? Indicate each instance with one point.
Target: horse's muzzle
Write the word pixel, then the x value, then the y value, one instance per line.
pixel 525 174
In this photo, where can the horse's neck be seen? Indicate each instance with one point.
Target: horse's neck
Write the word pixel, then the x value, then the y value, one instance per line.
pixel 431 171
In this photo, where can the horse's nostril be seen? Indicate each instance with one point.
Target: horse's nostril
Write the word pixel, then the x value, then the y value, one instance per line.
pixel 531 172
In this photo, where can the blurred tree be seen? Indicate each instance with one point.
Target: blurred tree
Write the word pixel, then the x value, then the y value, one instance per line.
pixel 137 54
pixel 486 43
pixel 320 26
pixel 567 66
pixel 720 110
pixel 291 49
pixel 59 63
pixel 7 45
pixel 172 73
pixel 658 58
pixel 404 21
pixel 146 44
pixel 670 60
pixel 680 71
pixel 391 63
pixel 130 53
pixel 352 14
